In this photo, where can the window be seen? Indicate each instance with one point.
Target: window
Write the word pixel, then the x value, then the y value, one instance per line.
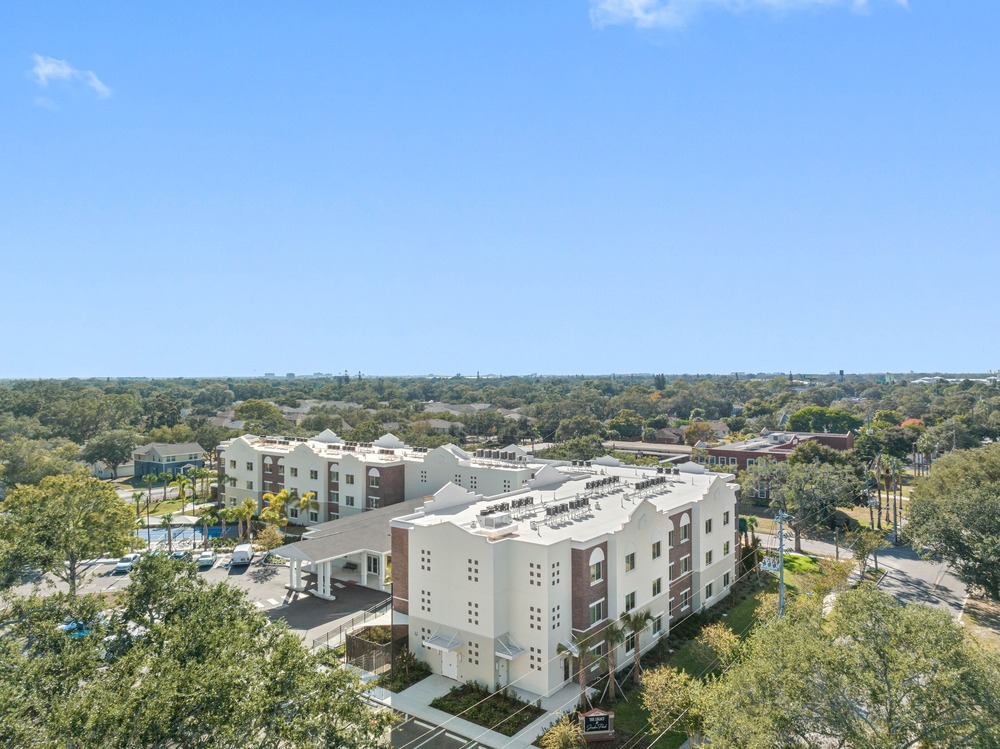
pixel 373 482
pixel 725 580
pixel 725 518
pixel 630 642
pixel 293 513
pixel 656 550
pixel 314 516
pixel 670 572
pixel 250 485
pixel 708 557
pixel 685 565
pixel 630 561
pixel 349 501
pixel 281 470
pixel 373 566
pixel 596 572
pixel 314 474
pixel 708 591
pixel 725 549
pixel 335 476
pixel 335 496
pixel 596 612
pixel 348 478
pixel 630 601
pixel 657 586
pixel 750 461
pixel 372 503
pixel 249 466
pixel 671 539
pixel 294 471
pixel 685 598
pixel 232 464
pixel 732 461
pixel 685 532
pixel 657 625
pixel 708 525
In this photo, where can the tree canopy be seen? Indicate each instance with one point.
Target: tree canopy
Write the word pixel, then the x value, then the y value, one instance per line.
pixel 873 673
pixel 182 663
pixel 61 523
pixel 955 513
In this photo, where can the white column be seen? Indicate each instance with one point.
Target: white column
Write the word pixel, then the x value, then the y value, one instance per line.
pixel 383 585
pixel 298 574
pixel 364 569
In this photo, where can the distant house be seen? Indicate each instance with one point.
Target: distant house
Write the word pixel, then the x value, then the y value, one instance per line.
pixel 435 426
pixel 670 436
pixel 159 457
pixel 101 470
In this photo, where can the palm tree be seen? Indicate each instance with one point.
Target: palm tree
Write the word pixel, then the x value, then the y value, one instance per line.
pixel 273 511
pixel 137 498
pixel 243 513
pixel 149 479
pixel 308 502
pixel 578 650
pixel 614 635
pixel 634 624
pixel 166 477
pixel 209 516
pixel 225 516
pixel 165 523
pixel 182 483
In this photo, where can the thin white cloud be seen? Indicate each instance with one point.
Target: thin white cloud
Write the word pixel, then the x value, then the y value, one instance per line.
pixel 50 69
pixel 675 13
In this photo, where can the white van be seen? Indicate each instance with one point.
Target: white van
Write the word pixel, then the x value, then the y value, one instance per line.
pixel 242 554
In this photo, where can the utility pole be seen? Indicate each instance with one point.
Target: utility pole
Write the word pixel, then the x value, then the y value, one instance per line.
pixel 836 541
pixel 782 517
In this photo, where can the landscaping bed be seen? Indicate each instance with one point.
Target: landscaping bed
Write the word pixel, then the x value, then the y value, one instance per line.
pixel 498 711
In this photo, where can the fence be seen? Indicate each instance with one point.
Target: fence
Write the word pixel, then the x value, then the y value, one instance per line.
pixel 336 636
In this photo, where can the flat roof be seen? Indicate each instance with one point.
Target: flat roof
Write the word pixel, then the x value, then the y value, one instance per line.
pixel 583 504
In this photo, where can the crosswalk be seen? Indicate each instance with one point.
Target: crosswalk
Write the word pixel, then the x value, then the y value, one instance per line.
pixel 269 603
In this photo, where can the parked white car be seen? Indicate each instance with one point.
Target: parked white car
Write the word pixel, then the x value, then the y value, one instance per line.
pixel 126 563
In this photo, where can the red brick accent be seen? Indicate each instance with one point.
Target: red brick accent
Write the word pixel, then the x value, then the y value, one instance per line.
pixel 391 485
pixel 584 593
pixel 677 550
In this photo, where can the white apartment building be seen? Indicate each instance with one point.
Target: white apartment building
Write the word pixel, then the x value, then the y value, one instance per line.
pixel 490 587
pixel 349 478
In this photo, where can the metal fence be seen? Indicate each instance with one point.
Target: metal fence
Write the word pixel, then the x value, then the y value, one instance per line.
pixel 336 636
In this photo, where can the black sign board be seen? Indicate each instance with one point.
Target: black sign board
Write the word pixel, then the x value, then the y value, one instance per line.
pixel 597 722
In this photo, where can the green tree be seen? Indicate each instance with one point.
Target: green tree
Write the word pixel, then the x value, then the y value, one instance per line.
pixel 166 523
pixel 65 521
pixel 181 483
pixel 672 698
pixel 866 544
pixel 28 461
pixel 564 734
pixel 113 447
pixel 821 419
pixel 185 664
pixel 261 417
pixel 634 623
pixel 810 492
pixel 954 513
pixel 873 673
pixel 578 649
pixel 699 431
pixel 243 514
pixel 614 635
pixel 628 424
pixel 581 425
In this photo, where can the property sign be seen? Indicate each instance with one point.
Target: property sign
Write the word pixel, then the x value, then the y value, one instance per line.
pixel 597 725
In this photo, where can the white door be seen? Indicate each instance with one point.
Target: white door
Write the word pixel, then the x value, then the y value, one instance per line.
pixel 502 672
pixel 449 665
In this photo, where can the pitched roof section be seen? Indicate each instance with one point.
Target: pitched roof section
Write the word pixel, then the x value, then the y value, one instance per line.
pixel 165 448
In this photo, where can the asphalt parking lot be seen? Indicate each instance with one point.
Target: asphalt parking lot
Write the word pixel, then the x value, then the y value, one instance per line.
pixel 264 585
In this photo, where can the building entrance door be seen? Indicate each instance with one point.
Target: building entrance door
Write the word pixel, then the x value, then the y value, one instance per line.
pixel 449 665
pixel 502 672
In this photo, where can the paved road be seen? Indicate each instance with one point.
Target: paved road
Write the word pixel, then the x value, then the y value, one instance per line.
pixel 909 579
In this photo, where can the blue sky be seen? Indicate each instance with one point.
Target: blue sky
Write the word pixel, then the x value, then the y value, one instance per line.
pixel 516 187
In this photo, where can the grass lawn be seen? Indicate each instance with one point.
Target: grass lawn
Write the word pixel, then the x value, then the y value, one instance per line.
pixel 982 618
